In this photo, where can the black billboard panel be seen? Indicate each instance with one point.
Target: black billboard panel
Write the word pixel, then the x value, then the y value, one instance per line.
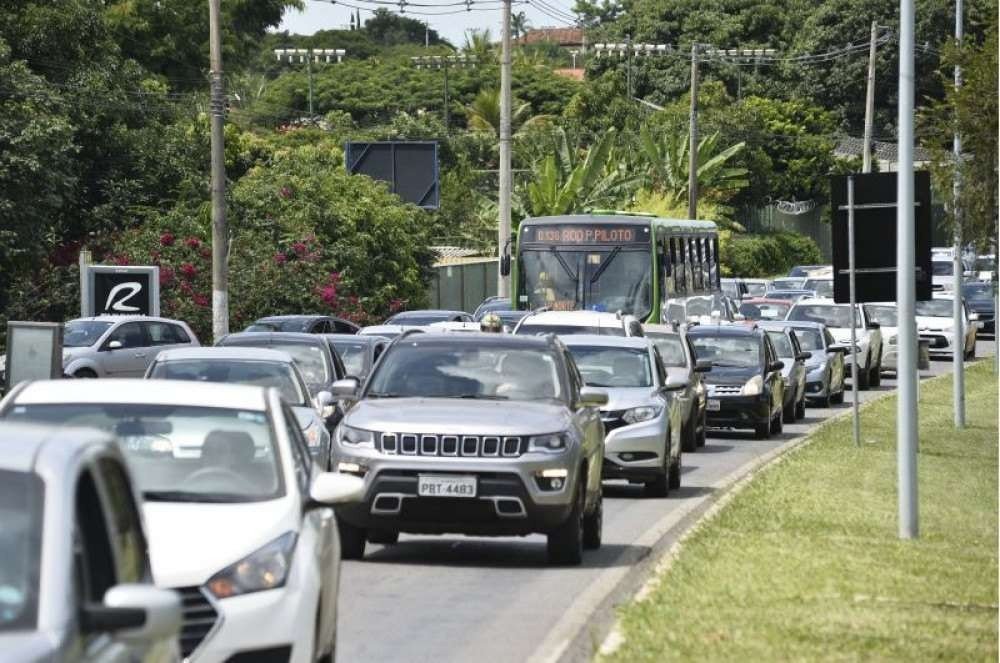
pixel 121 290
pixel 409 167
pixel 875 237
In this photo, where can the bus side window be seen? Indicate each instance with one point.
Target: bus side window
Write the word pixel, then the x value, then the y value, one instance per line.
pixel 680 269
pixel 717 281
pixel 666 268
pixel 699 274
pixel 706 276
pixel 710 263
pixel 691 266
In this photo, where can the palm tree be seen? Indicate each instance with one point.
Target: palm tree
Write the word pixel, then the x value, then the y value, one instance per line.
pixel 519 25
pixel 666 158
pixel 479 43
pixel 484 113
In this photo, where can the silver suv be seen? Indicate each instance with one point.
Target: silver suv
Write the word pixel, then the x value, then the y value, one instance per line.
pixel 479 434
pixel 117 346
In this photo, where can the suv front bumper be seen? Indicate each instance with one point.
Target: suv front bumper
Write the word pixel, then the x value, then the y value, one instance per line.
pixel 739 411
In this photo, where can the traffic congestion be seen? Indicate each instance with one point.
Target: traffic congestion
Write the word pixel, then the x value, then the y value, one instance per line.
pixel 237 476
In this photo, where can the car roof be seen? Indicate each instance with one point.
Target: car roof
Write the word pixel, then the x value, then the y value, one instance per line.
pixel 152 392
pixel 723 330
pixel 660 328
pixel 570 340
pixel 128 318
pixel 581 318
pixel 820 301
pixel 766 300
pixel 294 337
pixel 225 352
pixel 373 330
pixel 811 324
pixel 296 316
pixel 427 311
pixel 367 339
pixel 479 338
pixel 26 447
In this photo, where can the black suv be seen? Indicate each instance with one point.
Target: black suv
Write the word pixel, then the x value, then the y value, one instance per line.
pixel 745 387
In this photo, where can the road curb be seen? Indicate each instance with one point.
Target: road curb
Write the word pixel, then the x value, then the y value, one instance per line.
pixel 591 624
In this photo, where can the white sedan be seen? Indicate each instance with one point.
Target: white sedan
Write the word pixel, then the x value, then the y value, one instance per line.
pixel 936 325
pixel 239 523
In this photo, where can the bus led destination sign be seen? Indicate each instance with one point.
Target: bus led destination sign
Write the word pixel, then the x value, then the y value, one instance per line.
pixel 586 235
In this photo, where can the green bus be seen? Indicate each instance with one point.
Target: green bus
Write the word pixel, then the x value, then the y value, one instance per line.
pixel 615 261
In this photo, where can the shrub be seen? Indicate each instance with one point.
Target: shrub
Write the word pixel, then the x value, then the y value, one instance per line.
pixel 767 254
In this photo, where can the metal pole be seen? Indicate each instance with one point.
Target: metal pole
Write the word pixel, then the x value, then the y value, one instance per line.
pixel 220 233
pixel 503 235
pixel 309 70
pixel 854 312
pixel 866 153
pixel 693 136
pixel 958 318
pixel 84 261
pixel 906 411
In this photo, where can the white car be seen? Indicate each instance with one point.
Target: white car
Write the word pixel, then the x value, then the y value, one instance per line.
pixel 837 318
pixel 454 326
pixel 119 346
pixel 936 325
pixel 388 331
pixel 239 524
pixel 579 322
pixel 943 272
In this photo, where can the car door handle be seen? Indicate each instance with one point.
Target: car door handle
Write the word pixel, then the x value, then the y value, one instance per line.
pixel 140 355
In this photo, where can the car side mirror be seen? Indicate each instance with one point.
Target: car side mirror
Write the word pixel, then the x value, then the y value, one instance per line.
pixel 323 400
pixel 676 385
pixel 702 366
pixel 135 612
pixel 802 356
pixel 115 345
pixel 839 349
pixel 739 317
pixel 973 317
pixel 345 390
pixel 505 264
pixel 591 397
pixel 874 325
pixel 776 366
pixel 336 488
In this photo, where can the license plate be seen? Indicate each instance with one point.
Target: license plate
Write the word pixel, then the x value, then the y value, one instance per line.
pixel 713 405
pixel 444 486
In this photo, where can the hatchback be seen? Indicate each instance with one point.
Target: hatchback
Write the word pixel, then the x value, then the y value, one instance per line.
pixel 115 346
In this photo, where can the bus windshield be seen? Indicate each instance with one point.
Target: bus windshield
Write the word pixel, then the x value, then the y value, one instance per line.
pixel 598 279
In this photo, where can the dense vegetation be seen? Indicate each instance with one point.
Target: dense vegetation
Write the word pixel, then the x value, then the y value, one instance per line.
pixel 104 142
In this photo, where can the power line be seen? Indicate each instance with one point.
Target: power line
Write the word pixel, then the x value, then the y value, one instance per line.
pixel 470 6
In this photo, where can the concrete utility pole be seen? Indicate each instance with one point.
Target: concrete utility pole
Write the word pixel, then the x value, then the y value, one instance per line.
pixel 693 136
pixel 503 235
pixel 866 153
pixel 220 233
pixel 958 318
pixel 906 404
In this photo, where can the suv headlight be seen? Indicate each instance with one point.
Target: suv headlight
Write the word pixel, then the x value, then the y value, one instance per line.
pixel 642 413
pixel 267 568
pixel 356 437
pixel 753 387
pixel 554 443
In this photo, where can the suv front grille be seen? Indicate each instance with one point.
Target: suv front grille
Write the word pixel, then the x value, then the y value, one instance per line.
pixel 463 446
pixel 725 389
pixel 199 618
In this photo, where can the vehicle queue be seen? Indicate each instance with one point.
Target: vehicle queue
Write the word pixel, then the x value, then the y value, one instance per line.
pixel 248 469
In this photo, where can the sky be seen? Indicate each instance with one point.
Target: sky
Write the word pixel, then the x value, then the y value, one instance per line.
pixel 326 16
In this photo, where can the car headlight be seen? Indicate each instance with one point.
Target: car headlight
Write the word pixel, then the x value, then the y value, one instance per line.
pixel 753 387
pixel 550 444
pixel 642 413
pixel 267 568
pixel 356 437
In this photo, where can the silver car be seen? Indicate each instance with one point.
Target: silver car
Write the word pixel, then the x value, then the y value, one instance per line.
pixel 70 589
pixel 682 367
pixel 480 434
pixel 259 367
pixel 643 418
pixel 116 346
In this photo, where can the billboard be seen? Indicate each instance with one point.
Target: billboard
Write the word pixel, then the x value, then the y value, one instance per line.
pixel 409 167
pixel 111 290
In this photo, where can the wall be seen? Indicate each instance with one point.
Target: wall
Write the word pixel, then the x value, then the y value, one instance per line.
pixel 463 285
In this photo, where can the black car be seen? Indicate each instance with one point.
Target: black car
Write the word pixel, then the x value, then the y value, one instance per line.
pixel 746 388
pixel 491 305
pixel 423 318
pixel 358 352
pixel 307 324
pixel 979 300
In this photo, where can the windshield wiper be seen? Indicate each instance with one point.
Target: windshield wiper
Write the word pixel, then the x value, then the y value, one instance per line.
pixel 188 496
pixel 730 364
pixel 385 395
pixel 483 397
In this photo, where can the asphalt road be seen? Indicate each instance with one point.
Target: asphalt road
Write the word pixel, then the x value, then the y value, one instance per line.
pixel 487 600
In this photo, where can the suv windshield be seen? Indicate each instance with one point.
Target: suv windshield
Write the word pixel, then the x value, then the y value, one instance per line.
pixel 21 500
pixel 728 351
pixel 234 371
pixel 764 310
pixel 822 287
pixel 354 355
pixel 671 349
pixel 942 267
pixel 883 314
pixel 809 339
pixel 83 333
pixel 602 366
pixel 599 279
pixel 978 290
pixel 831 315
pixel 782 344
pixel 290 325
pixel 180 453
pixel 935 308
pixel 465 370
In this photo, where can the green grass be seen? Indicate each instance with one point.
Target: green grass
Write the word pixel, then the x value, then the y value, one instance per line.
pixel 805 562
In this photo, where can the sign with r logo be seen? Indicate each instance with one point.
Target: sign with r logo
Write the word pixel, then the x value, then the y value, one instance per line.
pixel 130 290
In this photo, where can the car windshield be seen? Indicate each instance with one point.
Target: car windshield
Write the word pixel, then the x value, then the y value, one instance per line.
pixel 728 351
pixel 466 370
pixel 671 349
pixel 602 366
pixel 310 360
pixel 599 279
pixel 756 289
pixel 419 319
pixel 786 284
pixel 782 344
pixel 235 371
pixel 886 316
pixel 21 500
pixel 180 453
pixel 935 308
pixel 764 310
pixel 541 330
pixel 809 339
pixel 492 307
pixel 985 264
pixel 941 267
pixel 510 318
pixel 978 291
pixel 730 289
pixel 290 325
pixel 354 355
pixel 83 333
pixel 822 287
pixel 787 294
pixel 831 315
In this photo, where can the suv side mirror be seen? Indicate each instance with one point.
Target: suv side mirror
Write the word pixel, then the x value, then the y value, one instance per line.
pixel 702 366
pixel 802 356
pixel 776 366
pixel 345 389
pixel 874 325
pixel 837 348
pixel 676 385
pixel 591 397
pixel 135 613
pixel 114 345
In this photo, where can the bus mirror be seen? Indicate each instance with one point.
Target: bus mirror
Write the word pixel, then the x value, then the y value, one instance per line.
pixel 505 264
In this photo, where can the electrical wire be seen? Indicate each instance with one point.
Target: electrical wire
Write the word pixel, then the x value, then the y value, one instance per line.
pixel 470 7
pixel 554 10
pixel 541 6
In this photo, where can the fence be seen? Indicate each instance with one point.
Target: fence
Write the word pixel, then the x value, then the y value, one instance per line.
pixel 462 284
pixel 801 218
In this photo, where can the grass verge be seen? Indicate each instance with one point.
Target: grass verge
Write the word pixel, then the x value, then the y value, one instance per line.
pixel 805 563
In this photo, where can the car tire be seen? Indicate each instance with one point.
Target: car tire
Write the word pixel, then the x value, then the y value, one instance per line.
pixel 777 425
pixel 971 354
pixel 383 537
pixel 85 374
pixel 704 431
pixel 788 413
pixel 837 398
pixel 861 376
pixel 564 544
pixel 674 474
pixel 800 409
pixel 593 524
pixel 875 378
pixel 352 541
pixel 689 440
pixel 762 431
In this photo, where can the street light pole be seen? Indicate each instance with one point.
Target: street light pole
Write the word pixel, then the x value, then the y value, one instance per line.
pixel 958 318
pixel 220 232
pixel 308 56
pixel 444 62
pixel 693 138
pixel 503 233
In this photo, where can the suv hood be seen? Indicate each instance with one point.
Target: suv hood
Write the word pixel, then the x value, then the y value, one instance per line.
pixel 624 398
pixel 189 542
pixel 458 416
pixel 731 374
pixel 933 323
pixel 843 335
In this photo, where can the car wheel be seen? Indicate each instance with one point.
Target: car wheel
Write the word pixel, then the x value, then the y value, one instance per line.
pixel 704 431
pixel 352 540
pixel 971 354
pixel 689 441
pixel 777 425
pixel 875 379
pixel 85 373
pixel 593 524
pixel 837 398
pixel 565 543
pixel 674 474
pixel 788 413
pixel 383 537
pixel 762 431
pixel 800 409
pixel 861 376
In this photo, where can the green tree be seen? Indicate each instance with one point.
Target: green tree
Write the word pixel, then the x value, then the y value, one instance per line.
pixel 666 157
pixel 390 29
pixel 479 44
pixel 484 113
pixel 519 24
